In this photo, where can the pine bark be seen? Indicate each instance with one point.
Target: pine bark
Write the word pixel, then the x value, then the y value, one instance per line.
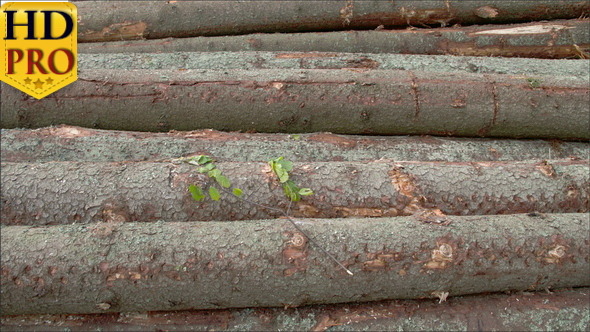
pixel 66 143
pixel 117 267
pixel 355 101
pixel 551 40
pixel 557 310
pixel 120 20
pixel 253 60
pixel 78 192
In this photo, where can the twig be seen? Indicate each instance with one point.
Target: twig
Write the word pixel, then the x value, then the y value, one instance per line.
pixel 292 221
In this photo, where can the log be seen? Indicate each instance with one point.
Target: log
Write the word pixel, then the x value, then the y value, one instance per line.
pixel 355 101
pixel 67 143
pixel 81 192
pixel 554 40
pixel 117 267
pixel 121 20
pixel 565 310
pixel 320 60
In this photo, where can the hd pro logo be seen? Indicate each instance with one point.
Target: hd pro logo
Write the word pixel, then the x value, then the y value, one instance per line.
pixel 39 46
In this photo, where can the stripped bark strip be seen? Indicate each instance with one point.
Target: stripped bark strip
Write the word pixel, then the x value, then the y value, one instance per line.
pixel 354 101
pixel 522 311
pixel 117 267
pixel 121 20
pixel 76 192
pixel 551 40
pixel 66 143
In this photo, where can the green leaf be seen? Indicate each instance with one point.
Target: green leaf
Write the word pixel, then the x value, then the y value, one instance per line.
pixel 196 192
pixel 237 191
pixel 214 193
pixel 273 164
pixel 207 168
pixel 214 173
pixel 286 165
pixel 198 160
pixel 295 137
pixel 305 192
pixel 291 190
pixel 282 174
pixel 192 161
pixel 223 181
pixel 202 160
pixel 277 167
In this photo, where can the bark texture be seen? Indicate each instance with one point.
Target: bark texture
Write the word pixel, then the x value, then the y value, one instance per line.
pixel 562 310
pixel 355 101
pixel 119 20
pixel 74 192
pixel 66 143
pixel 253 60
pixel 554 39
pixel 172 266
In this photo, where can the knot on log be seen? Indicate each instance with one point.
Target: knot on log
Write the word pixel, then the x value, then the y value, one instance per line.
pixel 440 257
pixel 555 255
pixel 295 254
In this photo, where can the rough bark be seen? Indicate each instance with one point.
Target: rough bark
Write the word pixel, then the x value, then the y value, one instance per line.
pixel 355 101
pixel 66 143
pixel 119 20
pixel 75 192
pixel 252 60
pixel 202 265
pixel 561 310
pixel 555 39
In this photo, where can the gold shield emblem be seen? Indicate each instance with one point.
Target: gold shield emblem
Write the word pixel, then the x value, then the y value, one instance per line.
pixel 39 46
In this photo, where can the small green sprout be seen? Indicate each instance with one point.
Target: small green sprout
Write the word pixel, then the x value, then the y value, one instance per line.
pixel 207 166
pixel 281 168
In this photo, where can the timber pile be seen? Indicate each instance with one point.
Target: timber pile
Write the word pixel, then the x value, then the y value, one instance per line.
pixel 487 192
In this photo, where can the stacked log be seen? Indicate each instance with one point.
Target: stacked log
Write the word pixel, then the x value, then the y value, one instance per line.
pixel 488 192
pixel 519 311
pixel 554 40
pixel 67 143
pixel 67 192
pixel 161 19
pixel 173 266
pixel 372 101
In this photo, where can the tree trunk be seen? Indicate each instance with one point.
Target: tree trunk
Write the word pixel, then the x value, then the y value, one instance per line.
pixel 67 143
pixel 563 310
pixel 355 101
pixel 202 265
pixel 74 192
pixel 554 39
pixel 120 20
pixel 248 60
